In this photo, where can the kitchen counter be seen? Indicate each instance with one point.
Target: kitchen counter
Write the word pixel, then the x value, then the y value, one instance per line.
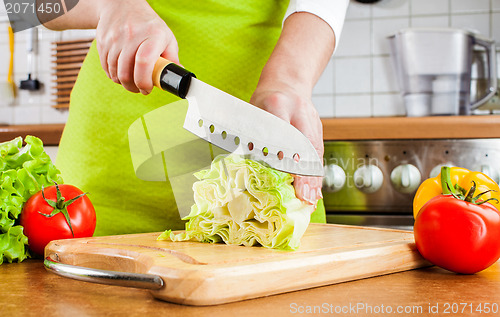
pixel 50 134
pixel 445 127
pixel 451 127
pixel 27 289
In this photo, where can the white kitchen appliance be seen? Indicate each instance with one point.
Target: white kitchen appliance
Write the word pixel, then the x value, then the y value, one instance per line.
pixel 433 67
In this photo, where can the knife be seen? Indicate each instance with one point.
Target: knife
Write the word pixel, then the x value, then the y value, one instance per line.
pixel 237 126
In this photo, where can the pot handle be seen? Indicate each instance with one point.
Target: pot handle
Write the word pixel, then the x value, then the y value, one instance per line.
pixel 492 71
pixel 136 280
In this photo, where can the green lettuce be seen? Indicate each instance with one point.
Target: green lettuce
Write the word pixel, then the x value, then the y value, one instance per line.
pixel 240 201
pixel 23 171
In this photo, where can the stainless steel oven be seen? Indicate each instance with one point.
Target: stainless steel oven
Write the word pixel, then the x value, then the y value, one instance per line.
pixel 372 182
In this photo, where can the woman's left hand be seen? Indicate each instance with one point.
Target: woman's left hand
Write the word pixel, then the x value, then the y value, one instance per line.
pixel 282 101
pixel 285 86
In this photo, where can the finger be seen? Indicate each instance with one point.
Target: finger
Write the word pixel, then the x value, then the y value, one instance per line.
pixel 112 62
pixel 308 189
pixel 171 52
pixel 103 51
pixel 146 56
pixel 125 68
pixel 145 59
pixel 310 125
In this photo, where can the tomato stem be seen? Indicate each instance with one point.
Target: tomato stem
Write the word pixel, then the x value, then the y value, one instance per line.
pixel 60 206
pixel 460 194
pixel 470 195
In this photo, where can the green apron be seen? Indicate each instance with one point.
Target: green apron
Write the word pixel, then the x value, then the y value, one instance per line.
pixel 224 42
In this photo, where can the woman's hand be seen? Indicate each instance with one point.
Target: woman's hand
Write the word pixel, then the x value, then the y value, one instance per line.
pixel 285 85
pixel 282 101
pixel 130 37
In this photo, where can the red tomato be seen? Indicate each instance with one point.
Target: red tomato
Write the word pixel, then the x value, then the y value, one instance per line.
pixel 41 229
pixel 458 235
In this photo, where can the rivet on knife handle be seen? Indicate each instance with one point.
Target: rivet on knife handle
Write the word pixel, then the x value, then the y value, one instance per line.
pixel 171 77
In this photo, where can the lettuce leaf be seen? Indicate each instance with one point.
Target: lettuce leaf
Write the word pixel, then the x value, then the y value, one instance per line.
pixel 23 171
pixel 12 245
pixel 240 201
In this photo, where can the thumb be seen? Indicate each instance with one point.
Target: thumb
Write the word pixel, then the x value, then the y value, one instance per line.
pixel 171 51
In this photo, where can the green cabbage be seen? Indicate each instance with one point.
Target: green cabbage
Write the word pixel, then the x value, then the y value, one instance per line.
pixel 23 171
pixel 240 201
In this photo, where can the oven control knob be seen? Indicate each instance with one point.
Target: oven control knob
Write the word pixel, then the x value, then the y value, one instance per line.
pixel 437 169
pixel 405 178
pixel 334 178
pixel 491 172
pixel 368 178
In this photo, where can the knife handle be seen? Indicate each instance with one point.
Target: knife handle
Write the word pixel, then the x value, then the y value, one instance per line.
pixel 171 77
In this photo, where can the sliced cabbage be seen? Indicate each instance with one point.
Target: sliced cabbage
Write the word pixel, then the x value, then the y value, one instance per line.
pixel 240 201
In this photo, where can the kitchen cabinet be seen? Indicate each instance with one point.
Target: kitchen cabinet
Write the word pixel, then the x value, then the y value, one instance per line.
pixel 28 289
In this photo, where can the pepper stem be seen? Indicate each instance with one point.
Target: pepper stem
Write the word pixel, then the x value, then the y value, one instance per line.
pixel 446 185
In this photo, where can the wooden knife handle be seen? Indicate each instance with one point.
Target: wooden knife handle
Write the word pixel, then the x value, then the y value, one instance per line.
pixel 171 77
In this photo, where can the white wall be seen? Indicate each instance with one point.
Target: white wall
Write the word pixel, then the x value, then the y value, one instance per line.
pixel 32 107
pixel 358 81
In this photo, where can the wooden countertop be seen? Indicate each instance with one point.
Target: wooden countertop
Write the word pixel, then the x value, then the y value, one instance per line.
pixel 27 289
pixel 449 127
pixel 50 134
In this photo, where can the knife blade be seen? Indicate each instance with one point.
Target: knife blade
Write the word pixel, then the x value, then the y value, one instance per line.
pixel 237 126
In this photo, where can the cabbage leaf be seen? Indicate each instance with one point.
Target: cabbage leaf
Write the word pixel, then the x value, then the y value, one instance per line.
pixel 240 201
pixel 23 172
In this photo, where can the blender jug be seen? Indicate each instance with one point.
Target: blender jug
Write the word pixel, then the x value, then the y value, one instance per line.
pixel 433 67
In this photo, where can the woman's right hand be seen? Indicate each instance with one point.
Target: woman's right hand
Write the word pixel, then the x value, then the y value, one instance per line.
pixel 130 37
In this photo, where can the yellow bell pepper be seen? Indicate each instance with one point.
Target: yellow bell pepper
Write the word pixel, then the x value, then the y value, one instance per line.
pixel 458 176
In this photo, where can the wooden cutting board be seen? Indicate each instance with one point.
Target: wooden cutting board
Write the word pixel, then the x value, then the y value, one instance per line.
pixel 209 274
